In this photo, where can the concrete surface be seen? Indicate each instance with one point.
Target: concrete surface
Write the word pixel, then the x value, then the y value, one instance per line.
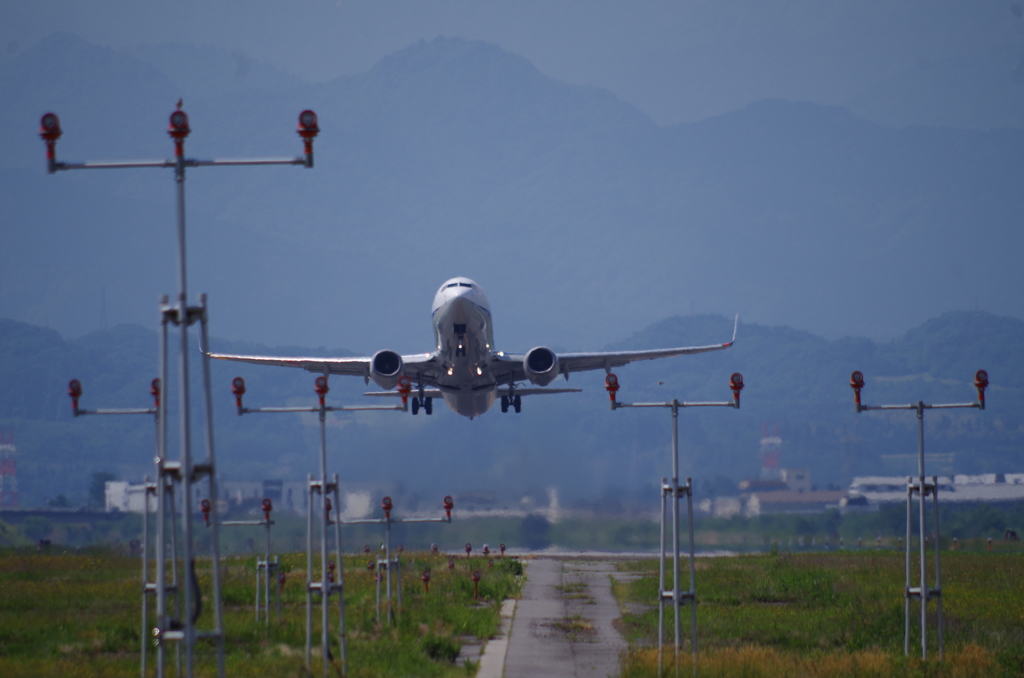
pixel 492 660
pixel 563 623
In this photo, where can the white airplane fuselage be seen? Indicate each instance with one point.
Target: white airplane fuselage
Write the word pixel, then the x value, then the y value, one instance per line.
pixel 464 338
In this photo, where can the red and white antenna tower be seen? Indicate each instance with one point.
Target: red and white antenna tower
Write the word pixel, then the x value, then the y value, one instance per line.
pixel 8 471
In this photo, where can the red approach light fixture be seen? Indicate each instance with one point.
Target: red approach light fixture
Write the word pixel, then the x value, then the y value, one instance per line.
pixel 308 129
pixel 205 506
pixel 476 583
pixel 405 388
pixel 434 549
pixel 611 384
pixel 736 384
pixel 154 390
pixel 385 504
pixel 857 383
pixel 980 383
pixel 178 128
pixel 426 580
pixel 49 130
pixel 487 549
pixel 267 507
pixel 238 388
pixel 451 563
pixel 75 391
pixel 327 507
pixel 469 547
pixel 321 388
pixel 449 504
pixel 370 565
pixel 366 548
pixel 501 547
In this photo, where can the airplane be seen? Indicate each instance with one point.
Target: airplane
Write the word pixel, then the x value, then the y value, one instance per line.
pixel 465 369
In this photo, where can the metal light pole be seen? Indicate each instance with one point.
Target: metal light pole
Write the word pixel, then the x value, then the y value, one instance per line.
pixel 184 471
pixel 389 564
pixel 922 488
pixel 675 490
pixel 326 586
pixel 75 391
pixel 264 567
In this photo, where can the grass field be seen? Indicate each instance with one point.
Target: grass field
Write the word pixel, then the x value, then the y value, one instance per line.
pixel 832 614
pixel 66 614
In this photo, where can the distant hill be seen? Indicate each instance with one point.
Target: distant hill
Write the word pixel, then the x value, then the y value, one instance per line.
pixel 795 381
pixel 582 219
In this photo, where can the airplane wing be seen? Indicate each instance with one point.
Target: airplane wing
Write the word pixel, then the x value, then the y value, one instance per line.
pixel 582 362
pixel 356 367
pixel 427 393
pixel 501 391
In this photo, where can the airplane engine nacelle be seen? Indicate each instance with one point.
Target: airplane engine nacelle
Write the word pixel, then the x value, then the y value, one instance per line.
pixel 386 368
pixel 541 365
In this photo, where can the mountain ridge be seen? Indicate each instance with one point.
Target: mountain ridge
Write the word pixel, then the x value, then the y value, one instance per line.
pixel 794 379
pixel 576 213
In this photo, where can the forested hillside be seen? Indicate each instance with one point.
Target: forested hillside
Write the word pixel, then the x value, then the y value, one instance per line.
pixel 794 380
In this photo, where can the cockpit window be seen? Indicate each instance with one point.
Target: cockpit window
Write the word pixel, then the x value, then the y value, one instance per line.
pixel 462 284
pixel 452 285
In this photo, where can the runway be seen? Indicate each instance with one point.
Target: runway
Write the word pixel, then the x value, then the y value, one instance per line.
pixel 563 625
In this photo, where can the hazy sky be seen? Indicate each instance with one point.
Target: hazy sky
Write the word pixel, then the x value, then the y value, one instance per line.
pixel 941 62
pixel 912 62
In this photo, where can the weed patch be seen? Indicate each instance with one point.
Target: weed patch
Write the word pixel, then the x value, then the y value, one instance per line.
pixel 79 615
pixel 834 614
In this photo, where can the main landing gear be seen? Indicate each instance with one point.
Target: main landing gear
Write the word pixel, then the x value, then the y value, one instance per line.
pixel 515 401
pixel 426 403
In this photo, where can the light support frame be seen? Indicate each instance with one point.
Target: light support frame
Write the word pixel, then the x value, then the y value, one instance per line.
pixel 265 567
pixel 320 486
pixel 672 488
pixel 149 488
pixel 922 488
pixel 389 564
pixel 183 471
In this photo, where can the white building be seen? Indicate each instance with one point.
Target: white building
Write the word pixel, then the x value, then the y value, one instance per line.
pixel 986 488
pixel 119 495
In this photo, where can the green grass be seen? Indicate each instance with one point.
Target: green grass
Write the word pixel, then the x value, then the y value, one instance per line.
pixel 79 615
pixel 837 613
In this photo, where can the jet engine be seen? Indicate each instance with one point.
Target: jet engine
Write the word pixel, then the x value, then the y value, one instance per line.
pixel 541 365
pixel 385 368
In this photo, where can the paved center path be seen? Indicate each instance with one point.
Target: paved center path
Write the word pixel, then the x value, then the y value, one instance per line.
pixel 563 622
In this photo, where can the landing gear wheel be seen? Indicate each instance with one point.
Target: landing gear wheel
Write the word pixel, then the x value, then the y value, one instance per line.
pixel 428 406
pixel 415 406
pixel 517 403
pixel 504 403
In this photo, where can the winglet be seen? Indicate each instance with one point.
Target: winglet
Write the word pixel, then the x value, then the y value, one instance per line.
pixel 735 325
pixel 201 348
